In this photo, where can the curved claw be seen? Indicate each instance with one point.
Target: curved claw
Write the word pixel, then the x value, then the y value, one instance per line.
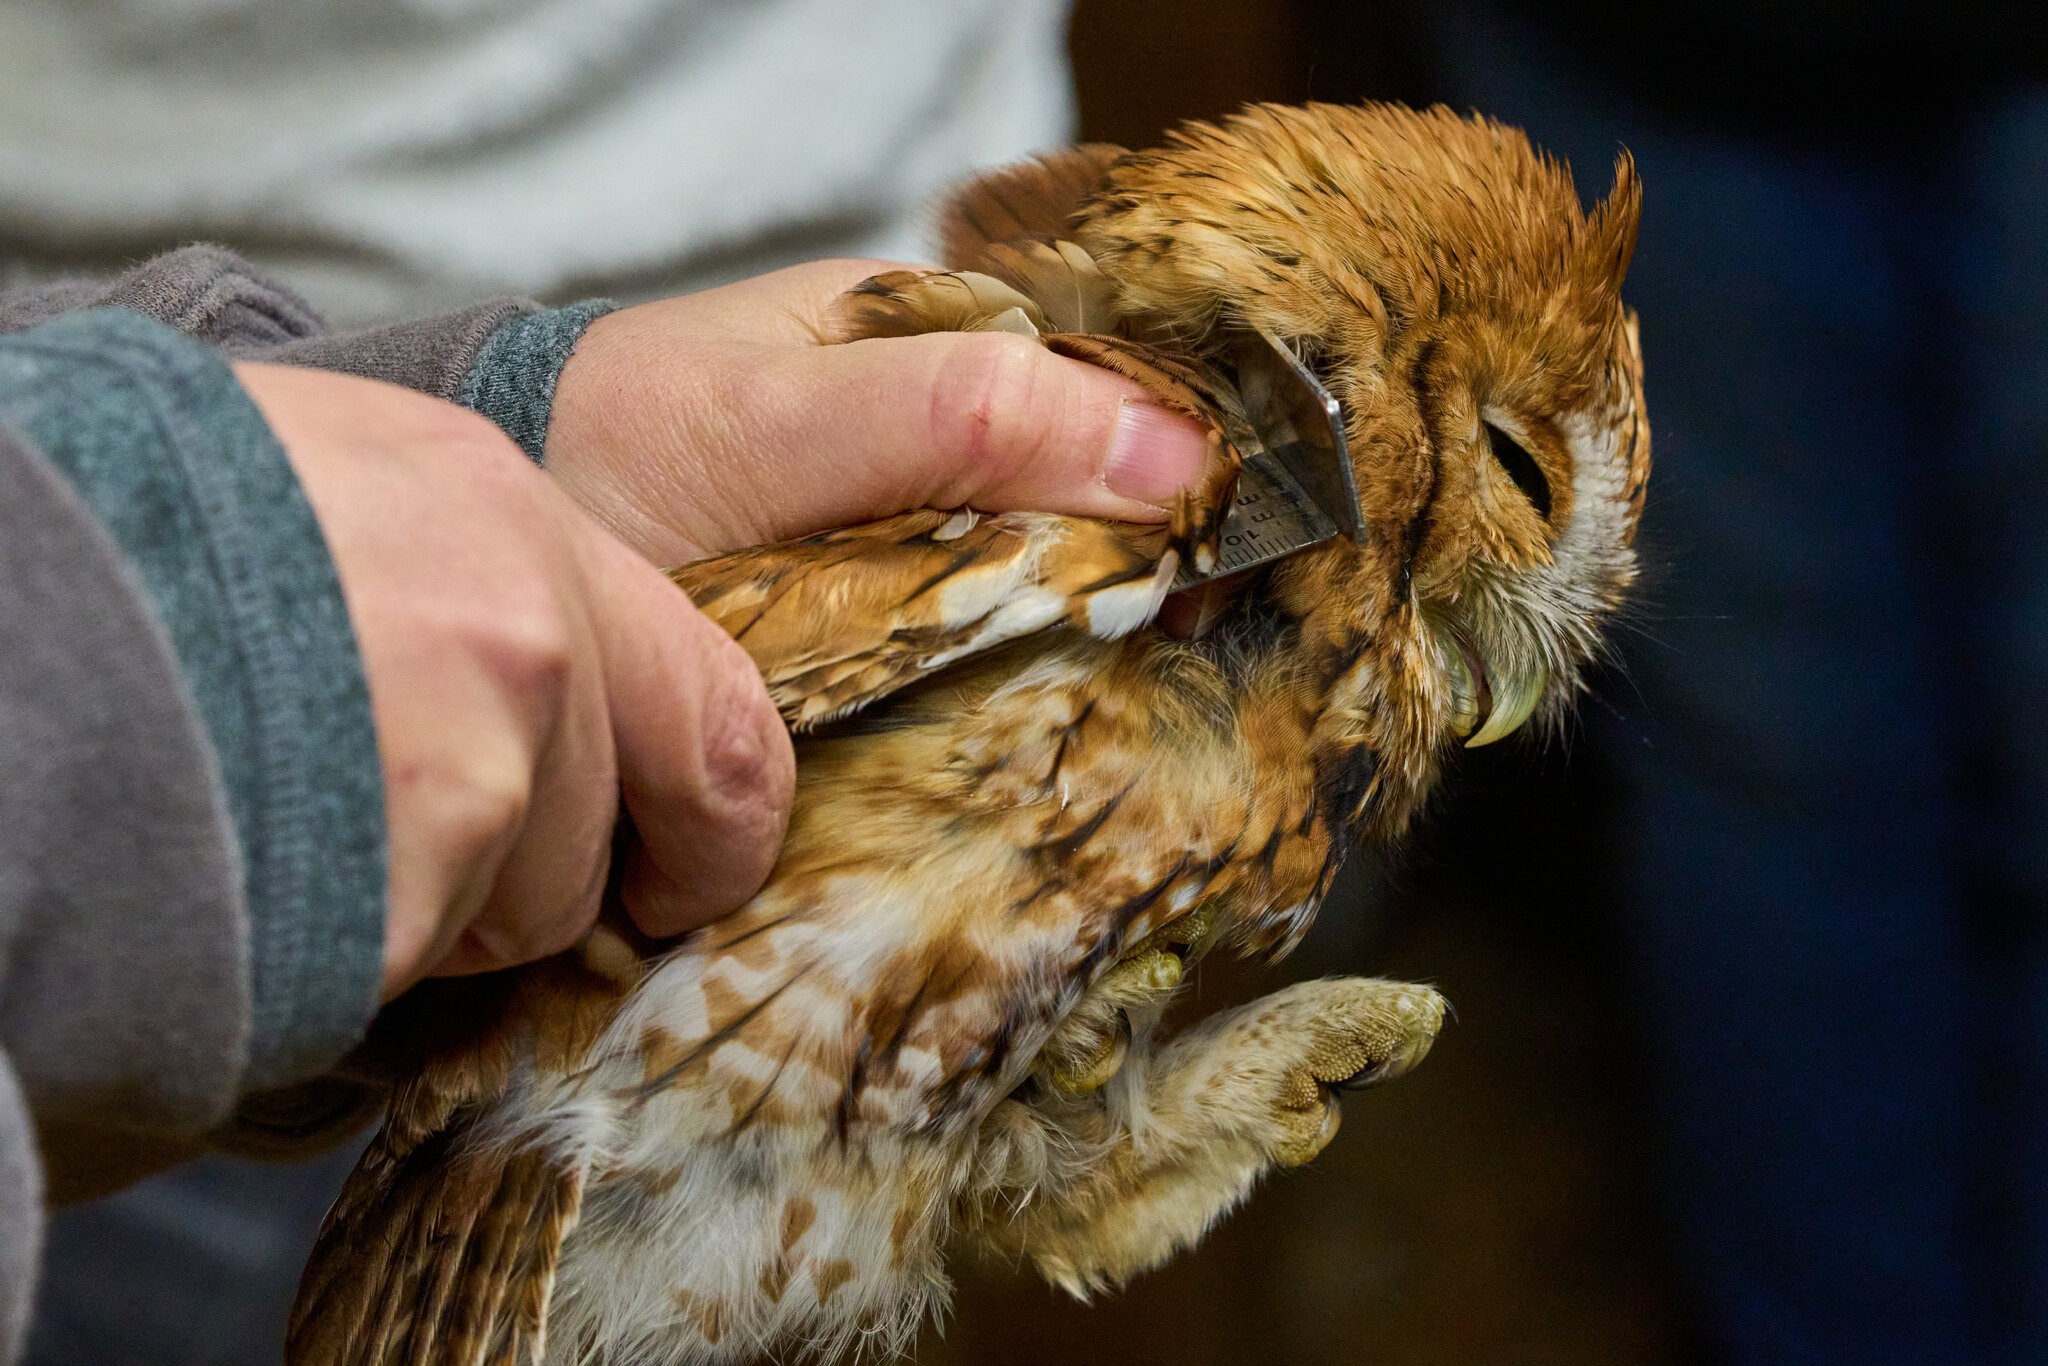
pixel 1093 1073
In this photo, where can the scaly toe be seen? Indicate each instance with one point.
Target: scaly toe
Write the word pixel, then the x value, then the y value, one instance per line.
pixel 1305 1133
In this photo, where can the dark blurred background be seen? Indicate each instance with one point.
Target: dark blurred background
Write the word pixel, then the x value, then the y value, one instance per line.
pixel 1750 1062
pixel 1751 1057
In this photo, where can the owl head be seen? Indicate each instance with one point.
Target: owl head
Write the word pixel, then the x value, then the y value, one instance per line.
pixel 1441 277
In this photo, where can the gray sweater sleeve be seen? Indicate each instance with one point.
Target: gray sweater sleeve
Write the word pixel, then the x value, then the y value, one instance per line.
pixel 155 434
pixel 124 1000
pixel 500 358
pixel 191 873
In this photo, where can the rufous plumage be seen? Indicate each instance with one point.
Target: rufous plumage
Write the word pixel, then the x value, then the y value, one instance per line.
pixel 1023 813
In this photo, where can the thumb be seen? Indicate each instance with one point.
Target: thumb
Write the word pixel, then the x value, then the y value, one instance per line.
pixel 706 769
pixel 987 419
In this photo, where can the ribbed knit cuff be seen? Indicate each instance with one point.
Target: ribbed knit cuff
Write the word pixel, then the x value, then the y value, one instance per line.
pixel 177 463
pixel 512 381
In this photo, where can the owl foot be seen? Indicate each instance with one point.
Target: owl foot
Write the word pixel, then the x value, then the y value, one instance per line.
pixel 1304 1045
pixel 1090 1044
pixel 1211 1112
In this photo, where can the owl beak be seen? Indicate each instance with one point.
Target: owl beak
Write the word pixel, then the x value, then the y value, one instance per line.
pixel 1513 700
pixel 1470 700
pixel 1483 710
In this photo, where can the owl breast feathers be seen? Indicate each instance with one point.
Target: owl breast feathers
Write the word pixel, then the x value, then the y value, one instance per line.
pixel 1023 813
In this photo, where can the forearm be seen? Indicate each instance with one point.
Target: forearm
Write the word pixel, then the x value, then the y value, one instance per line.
pixel 124 946
pixel 124 1011
pixel 191 828
pixel 179 469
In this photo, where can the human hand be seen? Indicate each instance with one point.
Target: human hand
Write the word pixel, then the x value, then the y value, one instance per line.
pixel 526 670
pixel 704 423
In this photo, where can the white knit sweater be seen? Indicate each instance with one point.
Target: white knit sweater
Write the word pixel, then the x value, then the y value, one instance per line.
pixel 400 156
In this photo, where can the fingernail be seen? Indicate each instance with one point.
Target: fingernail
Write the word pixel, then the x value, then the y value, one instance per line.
pixel 1154 454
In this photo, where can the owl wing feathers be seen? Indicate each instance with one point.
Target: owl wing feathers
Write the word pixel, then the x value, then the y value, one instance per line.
pixel 1061 280
pixel 909 303
pixel 837 621
pixel 450 1257
pixel 1029 286
pixel 1033 198
pixel 443 1244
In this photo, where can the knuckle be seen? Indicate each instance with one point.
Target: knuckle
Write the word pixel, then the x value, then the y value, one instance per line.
pixel 497 794
pixel 755 825
pixel 530 645
pixel 461 807
pixel 990 412
pixel 727 807
pixel 518 620
pixel 759 764
pixel 747 763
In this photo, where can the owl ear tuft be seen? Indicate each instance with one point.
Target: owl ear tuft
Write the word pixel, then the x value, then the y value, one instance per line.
pixel 1610 240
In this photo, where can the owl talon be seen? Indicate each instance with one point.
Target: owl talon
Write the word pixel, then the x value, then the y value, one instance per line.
pixel 1372 1074
pixel 1094 1072
pixel 1305 1133
pixel 1091 1047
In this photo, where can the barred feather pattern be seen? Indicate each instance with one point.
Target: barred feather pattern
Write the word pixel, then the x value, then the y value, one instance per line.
pixel 1023 816
pixel 842 619
pixel 1035 199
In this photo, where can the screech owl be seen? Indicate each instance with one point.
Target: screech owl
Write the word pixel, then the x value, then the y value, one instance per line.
pixel 1023 813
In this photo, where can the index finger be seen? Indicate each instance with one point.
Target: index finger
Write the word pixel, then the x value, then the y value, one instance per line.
pixel 706 767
